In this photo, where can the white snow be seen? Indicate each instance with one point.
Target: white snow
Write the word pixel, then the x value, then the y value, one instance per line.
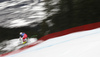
pixel 14 44
pixel 19 22
pixel 10 3
pixel 20 16
pixel 78 44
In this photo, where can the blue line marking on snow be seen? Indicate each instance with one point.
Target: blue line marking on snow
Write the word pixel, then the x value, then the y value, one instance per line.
pixel 66 41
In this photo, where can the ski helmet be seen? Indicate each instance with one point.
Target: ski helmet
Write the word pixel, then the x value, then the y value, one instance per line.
pixel 21 33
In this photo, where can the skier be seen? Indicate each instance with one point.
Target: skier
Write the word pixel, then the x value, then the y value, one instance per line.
pixel 23 36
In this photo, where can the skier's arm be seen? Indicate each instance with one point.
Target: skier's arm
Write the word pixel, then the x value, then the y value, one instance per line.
pixel 20 36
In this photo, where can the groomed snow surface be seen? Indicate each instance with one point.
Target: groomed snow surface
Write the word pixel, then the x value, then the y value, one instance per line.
pixel 78 44
pixel 14 44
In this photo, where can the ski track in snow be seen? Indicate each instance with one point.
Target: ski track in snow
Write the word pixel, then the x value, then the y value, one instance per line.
pixel 79 44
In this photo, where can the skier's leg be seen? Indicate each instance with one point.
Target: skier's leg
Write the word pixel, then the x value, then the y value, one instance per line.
pixel 24 40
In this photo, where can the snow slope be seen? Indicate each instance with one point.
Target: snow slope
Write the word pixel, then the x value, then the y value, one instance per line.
pixel 78 44
pixel 13 44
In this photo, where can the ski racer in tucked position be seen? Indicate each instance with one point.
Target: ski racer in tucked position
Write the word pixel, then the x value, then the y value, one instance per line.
pixel 23 36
